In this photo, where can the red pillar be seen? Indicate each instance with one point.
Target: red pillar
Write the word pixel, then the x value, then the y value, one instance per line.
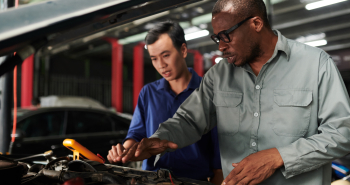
pixel 138 71
pixel 198 62
pixel 117 74
pixel 27 81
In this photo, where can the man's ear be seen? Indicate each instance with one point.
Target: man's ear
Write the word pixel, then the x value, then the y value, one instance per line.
pixel 258 23
pixel 184 50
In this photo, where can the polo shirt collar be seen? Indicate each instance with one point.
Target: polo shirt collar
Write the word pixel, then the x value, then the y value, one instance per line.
pixel 164 84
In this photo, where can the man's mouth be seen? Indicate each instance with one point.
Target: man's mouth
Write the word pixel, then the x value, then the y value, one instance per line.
pixel 230 59
pixel 166 73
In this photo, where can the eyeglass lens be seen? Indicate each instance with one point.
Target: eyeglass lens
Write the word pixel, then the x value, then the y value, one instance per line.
pixel 223 37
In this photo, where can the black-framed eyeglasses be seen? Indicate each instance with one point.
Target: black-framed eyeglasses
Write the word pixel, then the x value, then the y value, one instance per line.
pixel 224 35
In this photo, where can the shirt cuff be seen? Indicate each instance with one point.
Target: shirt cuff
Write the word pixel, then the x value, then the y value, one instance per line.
pixel 160 135
pixel 291 161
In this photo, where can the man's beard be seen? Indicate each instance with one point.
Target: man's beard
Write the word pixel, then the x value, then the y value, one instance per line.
pixel 254 52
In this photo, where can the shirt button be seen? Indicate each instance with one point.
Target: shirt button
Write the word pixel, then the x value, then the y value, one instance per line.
pixel 256 114
pixel 253 143
pixel 257 87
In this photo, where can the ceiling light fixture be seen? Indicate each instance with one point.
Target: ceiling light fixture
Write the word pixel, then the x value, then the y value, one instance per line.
pixel 312 37
pixel 317 43
pixel 322 3
pixel 196 35
pixel 206 18
pixel 141 37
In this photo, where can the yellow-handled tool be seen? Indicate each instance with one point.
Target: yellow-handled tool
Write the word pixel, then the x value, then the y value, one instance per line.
pixel 80 150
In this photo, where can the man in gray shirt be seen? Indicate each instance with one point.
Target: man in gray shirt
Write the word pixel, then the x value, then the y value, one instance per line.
pixel 281 107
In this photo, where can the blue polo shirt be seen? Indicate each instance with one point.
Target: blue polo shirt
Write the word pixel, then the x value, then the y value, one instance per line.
pixel 157 103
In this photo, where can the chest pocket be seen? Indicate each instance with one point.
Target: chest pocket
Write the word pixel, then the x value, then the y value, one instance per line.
pixel 227 111
pixel 292 110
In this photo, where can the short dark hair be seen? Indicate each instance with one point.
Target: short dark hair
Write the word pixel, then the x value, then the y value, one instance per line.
pixel 173 29
pixel 245 9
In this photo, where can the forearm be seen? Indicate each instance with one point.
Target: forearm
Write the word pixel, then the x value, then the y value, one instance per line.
pixel 129 143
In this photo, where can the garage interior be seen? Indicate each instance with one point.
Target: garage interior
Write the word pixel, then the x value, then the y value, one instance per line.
pixel 102 55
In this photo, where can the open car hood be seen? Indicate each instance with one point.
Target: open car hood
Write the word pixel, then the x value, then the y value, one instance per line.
pixel 58 22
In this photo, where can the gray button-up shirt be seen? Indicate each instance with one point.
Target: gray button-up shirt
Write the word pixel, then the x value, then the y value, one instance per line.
pixel 297 104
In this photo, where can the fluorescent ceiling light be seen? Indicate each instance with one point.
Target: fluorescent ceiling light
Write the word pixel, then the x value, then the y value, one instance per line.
pixel 322 3
pixel 191 30
pixel 201 19
pixel 197 34
pixel 218 59
pixel 141 37
pixel 310 38
pixel 317 43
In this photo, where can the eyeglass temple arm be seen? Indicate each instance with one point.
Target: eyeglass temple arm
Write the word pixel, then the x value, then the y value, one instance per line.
pixel 237 25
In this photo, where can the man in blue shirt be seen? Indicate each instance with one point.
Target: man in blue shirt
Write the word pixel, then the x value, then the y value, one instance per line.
pixel 159 100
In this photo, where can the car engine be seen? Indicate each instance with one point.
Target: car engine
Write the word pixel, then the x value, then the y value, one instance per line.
pixel 64 170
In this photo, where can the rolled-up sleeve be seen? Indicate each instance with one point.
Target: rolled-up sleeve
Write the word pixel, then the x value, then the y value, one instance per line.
pixel 196 116
pixel 333 140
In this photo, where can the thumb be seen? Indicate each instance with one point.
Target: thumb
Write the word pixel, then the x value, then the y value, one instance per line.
pixel 172 145
pixel 234 164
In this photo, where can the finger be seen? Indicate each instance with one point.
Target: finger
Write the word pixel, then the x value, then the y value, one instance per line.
pixel 109 158
pixel 120 157
pixel 114 152
pixel 235 164
pixel 125 151
pixel 120 149
pixel 255 181
pixel 163 145
pixel 130 154
pixel 169 144
pixel 145 143
pixel 244 181
pixel 236 178
pixel 234 174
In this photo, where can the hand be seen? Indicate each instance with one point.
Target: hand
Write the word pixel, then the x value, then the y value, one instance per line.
pixel 255 168
pixel 147 148
pixel 115 154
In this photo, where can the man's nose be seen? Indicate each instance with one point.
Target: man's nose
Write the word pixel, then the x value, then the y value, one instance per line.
pixel 222 46
pixel 162 63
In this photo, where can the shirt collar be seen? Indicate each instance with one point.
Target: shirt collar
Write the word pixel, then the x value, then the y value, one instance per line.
pixel 164 84
pixel 282 44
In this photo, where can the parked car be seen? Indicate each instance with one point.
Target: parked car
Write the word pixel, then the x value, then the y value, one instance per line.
pixel 46 128
pixel 70 101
